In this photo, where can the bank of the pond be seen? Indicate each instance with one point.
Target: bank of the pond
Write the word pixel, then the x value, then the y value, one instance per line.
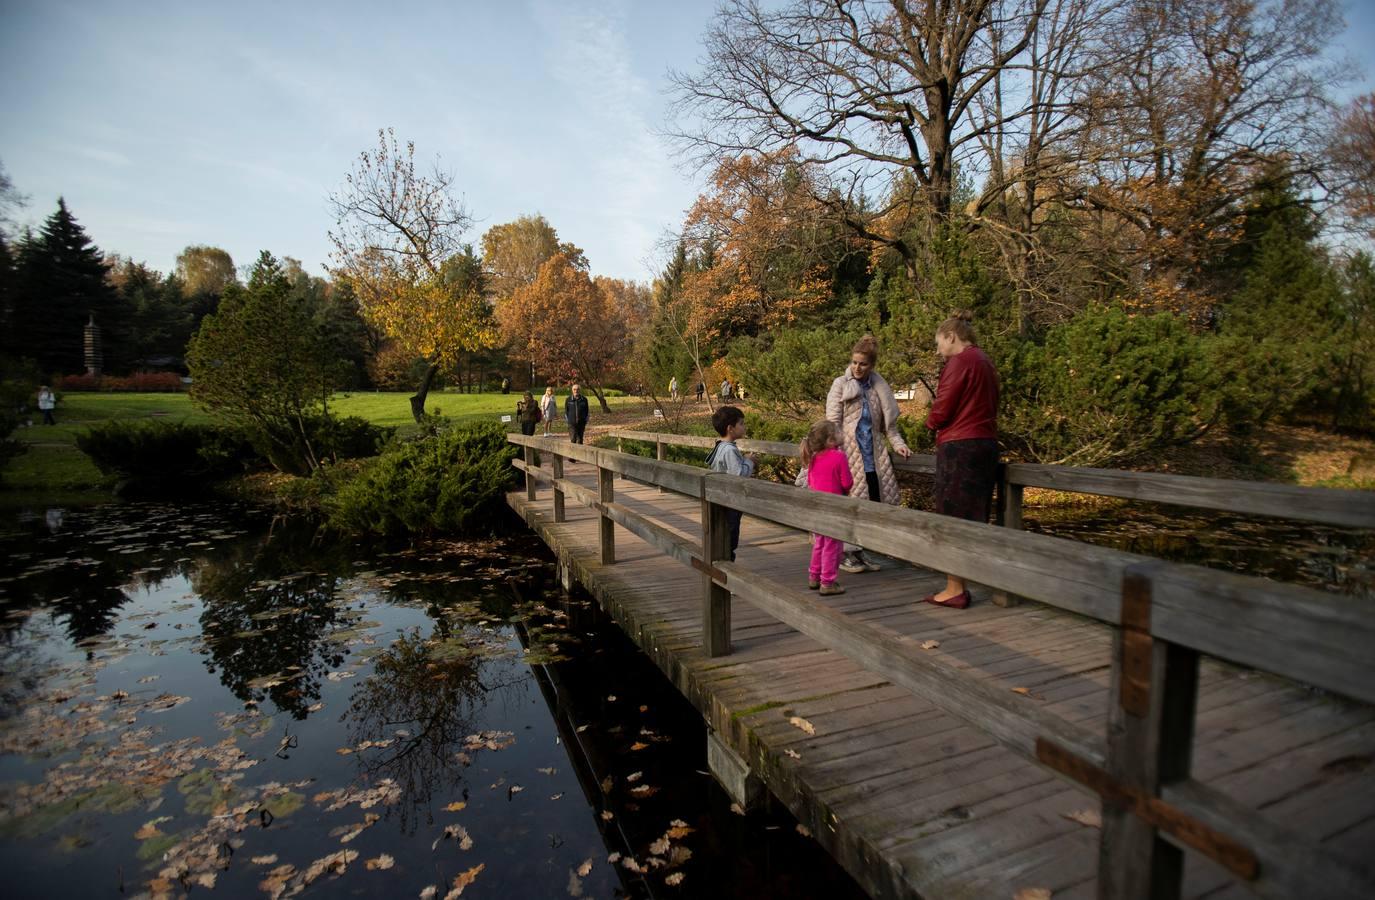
pixel 195 698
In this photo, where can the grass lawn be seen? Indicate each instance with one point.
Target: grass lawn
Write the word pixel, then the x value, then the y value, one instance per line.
pixel 53 466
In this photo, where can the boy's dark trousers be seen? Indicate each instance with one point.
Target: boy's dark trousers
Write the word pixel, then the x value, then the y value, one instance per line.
pixel 733 516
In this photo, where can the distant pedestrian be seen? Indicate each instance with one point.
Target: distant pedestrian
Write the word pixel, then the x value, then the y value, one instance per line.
pixel 827 472
pixel 862 406
pixel 47 402
pixel 505 385
pixel 549 408
pixel 575 412
pixel 964 416
pixel 528 415
pixel 701 389
pixel 729 422
pixel 725 389
pixel 673 388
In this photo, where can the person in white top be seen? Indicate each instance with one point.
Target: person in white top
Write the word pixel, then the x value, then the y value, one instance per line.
pixel 47 401
pixel 549 407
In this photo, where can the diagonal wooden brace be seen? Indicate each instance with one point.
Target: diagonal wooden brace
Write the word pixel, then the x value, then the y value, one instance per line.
pixel 1184 828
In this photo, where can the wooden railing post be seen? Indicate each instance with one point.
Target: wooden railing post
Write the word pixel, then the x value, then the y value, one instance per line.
pixel 1151 709
pixel 659 453
pixel 606 481
pixel 715 598
pixel 559 515
pixel 1009 516
pixel 529 475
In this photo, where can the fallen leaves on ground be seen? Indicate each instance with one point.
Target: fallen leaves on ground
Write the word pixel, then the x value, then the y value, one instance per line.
pixel 798 722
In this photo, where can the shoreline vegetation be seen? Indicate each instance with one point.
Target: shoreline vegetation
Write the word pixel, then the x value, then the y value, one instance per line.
pixel 52 470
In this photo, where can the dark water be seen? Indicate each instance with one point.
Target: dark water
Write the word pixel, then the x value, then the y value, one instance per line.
pixel 1341 560
pixel 196 698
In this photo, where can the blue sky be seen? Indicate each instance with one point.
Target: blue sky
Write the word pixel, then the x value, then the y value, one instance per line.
pixel 173 123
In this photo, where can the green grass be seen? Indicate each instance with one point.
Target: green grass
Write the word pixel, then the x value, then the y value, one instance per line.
pixel 54 467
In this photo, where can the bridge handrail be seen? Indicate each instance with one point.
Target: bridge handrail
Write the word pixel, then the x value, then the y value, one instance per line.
pixel 1165 615
pixel 1328 506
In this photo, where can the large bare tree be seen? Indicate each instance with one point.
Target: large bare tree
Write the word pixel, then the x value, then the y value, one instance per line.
pixel 860 88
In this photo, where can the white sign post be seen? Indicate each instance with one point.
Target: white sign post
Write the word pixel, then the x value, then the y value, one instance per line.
pixel 506 418
pixel 658 413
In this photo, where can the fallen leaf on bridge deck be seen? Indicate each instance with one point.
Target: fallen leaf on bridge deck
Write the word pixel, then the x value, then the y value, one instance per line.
pixel 930 645
pixel 798 722
pixel 793 753
pixel 1032 894
pixel 1090 817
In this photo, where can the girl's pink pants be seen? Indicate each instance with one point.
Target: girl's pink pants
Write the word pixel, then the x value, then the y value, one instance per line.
pixel 825 558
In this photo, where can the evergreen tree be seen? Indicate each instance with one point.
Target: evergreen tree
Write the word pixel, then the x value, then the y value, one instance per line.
pixel 61 285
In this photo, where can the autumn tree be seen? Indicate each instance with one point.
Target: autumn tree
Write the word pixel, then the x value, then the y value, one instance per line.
pixel 862 89
pixel 513 252
pixel 396 229
pixel 205 270
pixel 570 324
pixel 1353 156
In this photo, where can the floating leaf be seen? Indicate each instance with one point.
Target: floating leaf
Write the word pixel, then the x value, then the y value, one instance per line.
pixel 675 879
pixel 382 862
pixel 585 867
pixel 638 745
pixel 464 879
pixel 456 806
pixel 804 830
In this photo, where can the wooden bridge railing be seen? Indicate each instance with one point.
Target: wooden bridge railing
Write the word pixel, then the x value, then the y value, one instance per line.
pixel 1164 616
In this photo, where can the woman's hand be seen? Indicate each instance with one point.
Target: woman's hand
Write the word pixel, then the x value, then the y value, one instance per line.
pixel 904 452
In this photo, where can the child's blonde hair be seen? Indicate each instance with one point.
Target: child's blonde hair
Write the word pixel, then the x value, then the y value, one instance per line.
pixel 821 435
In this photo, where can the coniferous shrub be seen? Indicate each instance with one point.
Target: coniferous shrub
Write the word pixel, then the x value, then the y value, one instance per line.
pixel 146 456
pixel 448 479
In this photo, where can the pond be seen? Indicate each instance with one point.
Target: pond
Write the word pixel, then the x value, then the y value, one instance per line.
pixel 200 698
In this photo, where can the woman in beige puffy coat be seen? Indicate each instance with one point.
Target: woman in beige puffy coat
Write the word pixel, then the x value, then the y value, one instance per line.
pixel 862 406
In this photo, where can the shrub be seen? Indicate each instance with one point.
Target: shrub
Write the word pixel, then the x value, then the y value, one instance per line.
pixel 149 455
pixel 139 382
pixel 789 373
pixel 328 438
pixel 1106 387
pixel 449 479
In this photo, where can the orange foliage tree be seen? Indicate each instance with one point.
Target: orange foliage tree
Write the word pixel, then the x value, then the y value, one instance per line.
pixel 569 324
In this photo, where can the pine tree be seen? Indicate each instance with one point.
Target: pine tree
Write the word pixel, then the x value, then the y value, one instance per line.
pixel 62 285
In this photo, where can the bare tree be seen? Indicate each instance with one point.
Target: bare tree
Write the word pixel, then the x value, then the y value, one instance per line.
pixel 860 87
pixel 1353 160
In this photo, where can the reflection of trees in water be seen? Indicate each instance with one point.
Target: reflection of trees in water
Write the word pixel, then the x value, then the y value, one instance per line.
pixel 432 691
pixel 268 608
pixel 83 568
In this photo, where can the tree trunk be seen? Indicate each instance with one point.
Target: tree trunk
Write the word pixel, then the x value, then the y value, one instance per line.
pixel 418 401
pixel 601 398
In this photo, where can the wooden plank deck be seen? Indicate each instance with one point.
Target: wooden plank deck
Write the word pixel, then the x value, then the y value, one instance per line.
pixel 911 800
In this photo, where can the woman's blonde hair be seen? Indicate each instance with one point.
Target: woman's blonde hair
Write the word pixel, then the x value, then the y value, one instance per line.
pixel 868 345
pixel 960 325
pixel 819 437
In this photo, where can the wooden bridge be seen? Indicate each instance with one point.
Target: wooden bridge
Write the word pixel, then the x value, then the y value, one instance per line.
pixel 1143 730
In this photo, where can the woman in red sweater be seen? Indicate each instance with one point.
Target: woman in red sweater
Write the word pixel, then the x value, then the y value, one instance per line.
pixel 964 416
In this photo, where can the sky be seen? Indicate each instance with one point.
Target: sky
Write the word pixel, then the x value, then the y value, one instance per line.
pixel 165 124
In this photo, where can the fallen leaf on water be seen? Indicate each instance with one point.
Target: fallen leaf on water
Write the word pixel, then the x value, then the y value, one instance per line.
pixel 798 722
pixel 456 806
pixel 514 789
pixel 205 880
pixel 558 796
pixel 634 777
pixel 382 862
pixel 150 829
pixel 644 790
pixel 549 771
pixel 611 698
pixel 638 745
pixel 264 860
pixel 630 864
pixel 675 879
pixel 644 708
pixel 464 879
pixel 659 847
pixel 678 829
pixel 340 676
pixel 1090 817
pixel 930 645
pixel 585 867
pixel 1032 894
pixel 737 809
pixel 607 815
pixel 804 830
pixel 429 892
pixel 793 753
pixel 574 884
pixel 613 858
pixel 679 856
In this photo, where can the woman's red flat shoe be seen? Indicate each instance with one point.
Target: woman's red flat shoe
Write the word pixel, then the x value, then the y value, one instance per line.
pixel 960 601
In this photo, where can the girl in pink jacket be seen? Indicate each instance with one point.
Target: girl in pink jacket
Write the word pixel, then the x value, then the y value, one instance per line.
pixel 827 471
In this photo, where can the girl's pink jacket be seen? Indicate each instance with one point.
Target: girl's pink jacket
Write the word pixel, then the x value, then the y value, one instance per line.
pixel 829 472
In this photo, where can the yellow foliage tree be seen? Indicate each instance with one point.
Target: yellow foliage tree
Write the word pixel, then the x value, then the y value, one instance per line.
pixel 397 239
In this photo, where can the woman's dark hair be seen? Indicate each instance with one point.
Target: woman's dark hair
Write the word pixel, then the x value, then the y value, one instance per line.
pixel 725 417
pixel 959 324
pixel 868 345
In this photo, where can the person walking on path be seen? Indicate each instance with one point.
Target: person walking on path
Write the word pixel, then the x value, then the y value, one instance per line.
pixel 964 415
pixel 673 388
pixel 47 402
pixel 725 389
pixel 575 413
pixel 528 415
pixel 828 472
pixel 701 389
pixel 549 408
pixel 729 422
pixel 862 407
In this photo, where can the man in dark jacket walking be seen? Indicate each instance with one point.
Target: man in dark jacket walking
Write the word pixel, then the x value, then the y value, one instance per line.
pixel 575 411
